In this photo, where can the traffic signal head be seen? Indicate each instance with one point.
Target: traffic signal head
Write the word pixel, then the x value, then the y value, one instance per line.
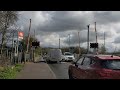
pixel 35 43
pixel 93 45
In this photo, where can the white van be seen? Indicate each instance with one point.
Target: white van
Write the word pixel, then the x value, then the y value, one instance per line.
pixel 54 55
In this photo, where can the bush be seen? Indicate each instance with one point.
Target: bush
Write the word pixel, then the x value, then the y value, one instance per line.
pixel 9 72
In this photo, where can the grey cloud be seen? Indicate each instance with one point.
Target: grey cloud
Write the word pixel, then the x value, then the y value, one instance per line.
pixel 106 17
pixel 117 40
pixel 83 37
pixel 63 21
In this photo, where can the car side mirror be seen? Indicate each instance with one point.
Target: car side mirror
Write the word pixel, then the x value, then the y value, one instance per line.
pixel 73 62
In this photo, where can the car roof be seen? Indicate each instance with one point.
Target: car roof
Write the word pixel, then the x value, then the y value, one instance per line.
pixel 104 57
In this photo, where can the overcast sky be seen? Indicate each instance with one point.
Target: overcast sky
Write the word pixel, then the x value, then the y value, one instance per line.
pixel 50 25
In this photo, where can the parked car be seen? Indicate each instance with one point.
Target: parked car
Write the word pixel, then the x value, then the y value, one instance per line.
pixel 68 56
pixel 54 55
pixel 96 67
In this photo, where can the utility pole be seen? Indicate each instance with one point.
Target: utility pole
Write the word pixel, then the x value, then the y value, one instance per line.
pixel 34 49
pixel 88 39
pixel 12 54
pixel 79 42
pixel 12 41
pixel 69 42
pixel 34 35
pixel 59 42
pixel 96 32
pixel 96 38
pixel 28 37
pixel 17 47
pixel 104 40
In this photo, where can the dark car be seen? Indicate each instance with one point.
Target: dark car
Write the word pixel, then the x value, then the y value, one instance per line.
pixel 96 67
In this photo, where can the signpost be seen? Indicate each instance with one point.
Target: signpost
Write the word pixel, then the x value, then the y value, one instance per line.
pixel 20 35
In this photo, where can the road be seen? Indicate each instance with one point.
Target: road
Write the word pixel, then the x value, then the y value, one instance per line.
pixel 60 69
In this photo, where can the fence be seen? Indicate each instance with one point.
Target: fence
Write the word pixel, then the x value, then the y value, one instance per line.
pixel 8 57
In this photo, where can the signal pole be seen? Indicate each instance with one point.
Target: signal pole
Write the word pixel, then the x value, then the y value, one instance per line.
pixel 59 42
pixel 88 39
pixel 104 39
pixel 69 42
pixel 96 32
pixel 96 38
pixel 34 49
pixel 79 42
pixel 28 36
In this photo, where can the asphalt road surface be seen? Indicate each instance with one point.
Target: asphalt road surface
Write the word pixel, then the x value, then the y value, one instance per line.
pixel 60 69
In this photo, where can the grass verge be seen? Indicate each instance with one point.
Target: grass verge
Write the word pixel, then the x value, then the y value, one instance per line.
pixel 10 72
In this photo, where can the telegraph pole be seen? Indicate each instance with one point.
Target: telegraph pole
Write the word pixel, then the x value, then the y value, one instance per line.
pixel 34 49
pixel 28 36
pixel 69 42
pixel 59 42
pixel 104 39
pixel 96 32
pixel 12 41
pixel 34 35
pixel 96 37
pixel 88 39
pixel 79 42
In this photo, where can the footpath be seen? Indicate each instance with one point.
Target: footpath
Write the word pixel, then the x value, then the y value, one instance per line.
pixel 39 70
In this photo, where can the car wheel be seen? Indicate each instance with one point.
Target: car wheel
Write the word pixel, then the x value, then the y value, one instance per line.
pixel 70 75
pixel 48 61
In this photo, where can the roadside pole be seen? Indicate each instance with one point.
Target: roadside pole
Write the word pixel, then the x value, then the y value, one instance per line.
pixel 79 43
pixel 28 36
pixel 69 42
pixel 96 50
pixel 59 42
pixel 34 49
pixel 28 54
pixel 12 54
pixel 88 39
pixel 17 47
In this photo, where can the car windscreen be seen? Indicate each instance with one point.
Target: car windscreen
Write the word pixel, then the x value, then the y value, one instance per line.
pixel 111 64
pixel 68 54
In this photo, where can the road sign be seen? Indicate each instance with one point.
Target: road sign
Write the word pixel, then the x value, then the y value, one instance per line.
pixel 20 35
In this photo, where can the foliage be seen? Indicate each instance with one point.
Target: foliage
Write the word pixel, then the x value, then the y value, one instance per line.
pixel 103 49
pixel 24 41
pixel 10 72
pixel 38 51
pixel 7 19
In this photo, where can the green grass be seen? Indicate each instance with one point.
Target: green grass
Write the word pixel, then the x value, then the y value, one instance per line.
pixel 9 72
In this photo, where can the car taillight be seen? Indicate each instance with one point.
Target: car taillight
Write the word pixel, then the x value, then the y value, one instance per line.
pixel 105 73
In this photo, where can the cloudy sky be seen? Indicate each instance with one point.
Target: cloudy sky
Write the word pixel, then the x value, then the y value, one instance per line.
pixel 50 25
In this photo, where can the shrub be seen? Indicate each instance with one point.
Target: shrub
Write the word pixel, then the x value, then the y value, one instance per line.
pixel 9 72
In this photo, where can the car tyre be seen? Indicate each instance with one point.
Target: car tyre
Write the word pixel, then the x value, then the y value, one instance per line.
pixel 70 75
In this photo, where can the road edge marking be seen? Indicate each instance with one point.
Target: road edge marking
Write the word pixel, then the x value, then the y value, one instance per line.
pixel 52 71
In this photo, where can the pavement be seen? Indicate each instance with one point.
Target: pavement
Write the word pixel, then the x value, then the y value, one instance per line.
pixel 39 70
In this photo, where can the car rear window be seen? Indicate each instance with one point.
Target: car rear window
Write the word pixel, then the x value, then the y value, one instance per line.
pixel 111 64
pixel 68 54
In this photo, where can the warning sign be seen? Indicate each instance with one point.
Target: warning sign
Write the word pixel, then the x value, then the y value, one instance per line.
pixel 20 35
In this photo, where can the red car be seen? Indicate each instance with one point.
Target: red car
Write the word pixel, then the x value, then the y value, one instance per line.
pixel 96 67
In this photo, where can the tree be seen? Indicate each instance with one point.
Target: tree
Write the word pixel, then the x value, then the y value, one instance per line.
pixel 7 19
pixel 102 49
pixel 24 42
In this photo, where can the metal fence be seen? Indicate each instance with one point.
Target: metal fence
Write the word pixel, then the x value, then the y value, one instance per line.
pixel 11 58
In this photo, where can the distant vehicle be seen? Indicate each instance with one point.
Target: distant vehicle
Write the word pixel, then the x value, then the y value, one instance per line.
pixel 68 56
pixel 54 55
pixel 96 67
